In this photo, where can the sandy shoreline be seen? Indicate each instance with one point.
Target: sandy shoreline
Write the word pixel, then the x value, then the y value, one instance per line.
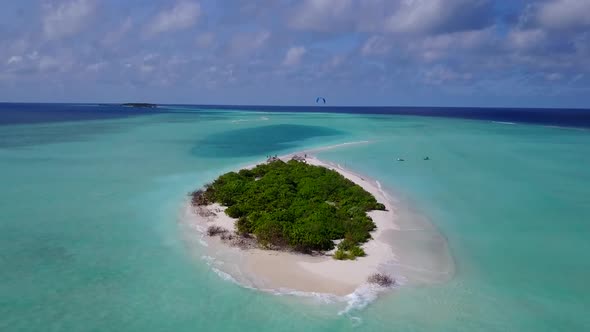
pixel 277 270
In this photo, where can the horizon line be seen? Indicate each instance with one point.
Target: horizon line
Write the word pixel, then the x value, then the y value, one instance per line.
pixel 304 106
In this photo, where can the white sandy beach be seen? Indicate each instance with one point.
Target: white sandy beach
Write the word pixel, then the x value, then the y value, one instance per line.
pixel 276 270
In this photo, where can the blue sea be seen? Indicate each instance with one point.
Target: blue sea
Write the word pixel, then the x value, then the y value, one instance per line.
pixel 90 236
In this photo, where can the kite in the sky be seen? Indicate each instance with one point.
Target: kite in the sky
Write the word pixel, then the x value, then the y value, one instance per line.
pixel 320 100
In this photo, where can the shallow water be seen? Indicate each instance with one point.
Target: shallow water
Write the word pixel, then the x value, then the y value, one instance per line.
pixel 90 239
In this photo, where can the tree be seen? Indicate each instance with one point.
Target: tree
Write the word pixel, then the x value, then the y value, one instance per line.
pixel 295 205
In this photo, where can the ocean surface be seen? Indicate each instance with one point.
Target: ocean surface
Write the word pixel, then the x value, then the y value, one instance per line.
pixel 91 237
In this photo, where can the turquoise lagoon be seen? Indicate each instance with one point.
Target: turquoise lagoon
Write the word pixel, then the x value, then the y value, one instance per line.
pixel 91 239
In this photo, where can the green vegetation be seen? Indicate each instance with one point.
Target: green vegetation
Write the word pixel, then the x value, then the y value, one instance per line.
pixel 357 251
pixel 342 255
pixel 348 250
pixel 295 205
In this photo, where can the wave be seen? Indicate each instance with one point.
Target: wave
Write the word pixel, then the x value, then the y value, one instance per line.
pixel 355 301
pixel 211 261
pixel 224 276
pixel 504 122
pixel 262 118
pixel 320 297
pixel 361 298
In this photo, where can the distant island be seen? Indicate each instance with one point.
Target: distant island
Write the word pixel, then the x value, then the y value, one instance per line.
pixel 292 206
pixel 140 105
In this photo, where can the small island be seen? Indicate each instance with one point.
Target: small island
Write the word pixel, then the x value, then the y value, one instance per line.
pixel 139 105
pixel 293 206
pixel 296 223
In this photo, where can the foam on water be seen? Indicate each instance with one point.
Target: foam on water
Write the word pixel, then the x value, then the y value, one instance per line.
pixel 319 297
pixel 361 297
pixel 383 192
pixel 364 295
pixel 262 118
pixel 225 276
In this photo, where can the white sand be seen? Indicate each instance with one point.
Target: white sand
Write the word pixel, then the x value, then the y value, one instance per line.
pixel 266 269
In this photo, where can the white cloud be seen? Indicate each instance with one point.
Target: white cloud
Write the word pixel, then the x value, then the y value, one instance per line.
pixel 564 14
pixel 146 69
pixel 33 55
pixel 376 45
pixel 436 47
pixel 442 74
pixel 66 18
pixel 245 43
pixel 14 59
pixel 576 78
pixel 97 66
pixel 205 39
pixel 415 16
pixel 461 40
pixel 526 39
pixel 150 57
pixel 553 76
pixel 48 63
pixel 391 16
pixel 336 61
pixel 182 16
pixel 433 16
pixel 294 56
pixel 114 36
pixel 322 15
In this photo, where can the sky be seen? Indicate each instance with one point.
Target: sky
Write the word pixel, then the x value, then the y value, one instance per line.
pixel 483 53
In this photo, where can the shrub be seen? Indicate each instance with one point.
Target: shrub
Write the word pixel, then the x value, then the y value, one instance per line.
pixel 234 211
pixel 270 234
pixel 243 226
pixel 246 173
pixel 341 255
pixel 357 251
pixel 348 250
pixel 346 244
pixel 357 235
pixel 198 198
pixel 216 230
pixel 242 242
pixel 381 279
pixel 227 236
pixel 379 206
